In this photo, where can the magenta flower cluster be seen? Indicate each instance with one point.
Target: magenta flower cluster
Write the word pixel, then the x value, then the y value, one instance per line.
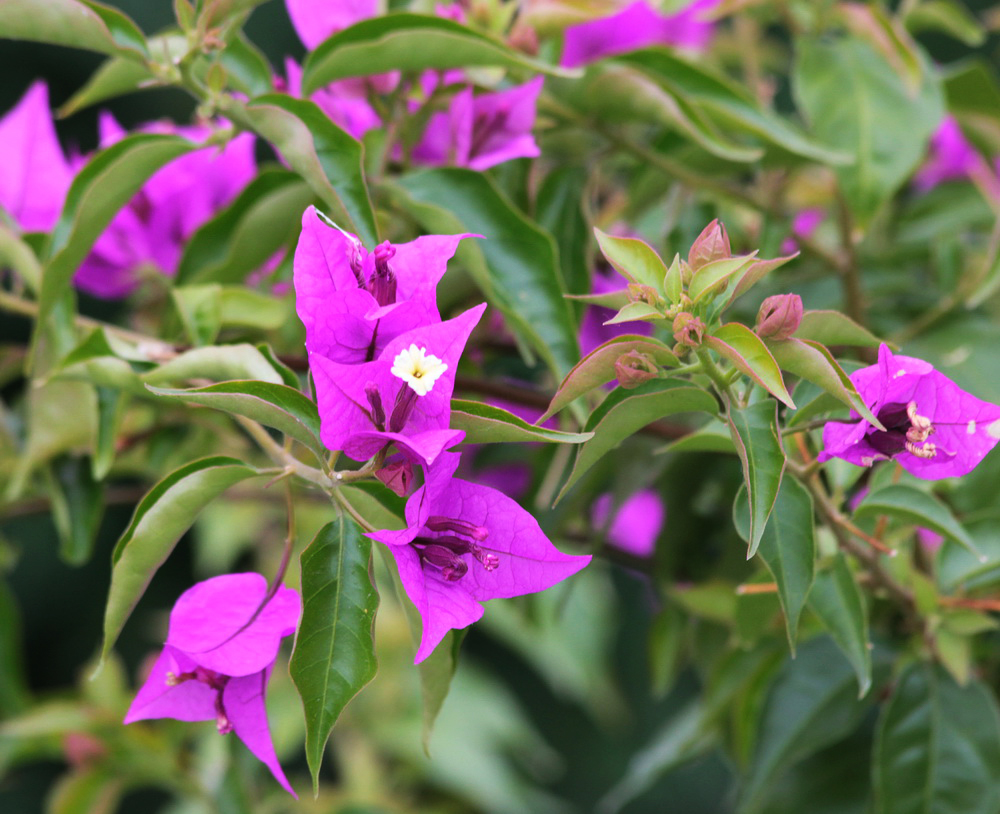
pixel 383 362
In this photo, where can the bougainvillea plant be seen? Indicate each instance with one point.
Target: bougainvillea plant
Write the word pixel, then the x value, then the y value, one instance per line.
pixel 499 405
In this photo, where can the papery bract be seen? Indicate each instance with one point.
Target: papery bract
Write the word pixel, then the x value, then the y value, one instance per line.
pixel 465 544
pixel 638 26
pixel 951 157
pixel 338 288
pixel 153 228
pixel 34 173
pixel 315 20
pixel 636 524
pixel 934 429
pixel 344 101
pixel 482 131
pixel 364 407
pixel 215 664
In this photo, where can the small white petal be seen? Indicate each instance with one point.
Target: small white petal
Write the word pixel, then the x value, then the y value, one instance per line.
pixel 971 429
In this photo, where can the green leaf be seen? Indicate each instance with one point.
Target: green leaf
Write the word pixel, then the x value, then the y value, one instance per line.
pixel 87 25
pixel 334 654
pixel 634 259
pixel 856 102
pixel 812 361
pixel 836 599
pixel 330 161
pixel 160 519
pixel 598 368
pixel 713 437
pixel 104 185
pixel 835 328
pixel 937 748
pixel 219 362
pixel 625 412
pixel 712 277
pixel 487 424
pixel 948 16
pixel 754 432
pixel 436 673
pixel 559 210
pixel 812 703
pixel 727 103
pixel 77 507
pixel 216 12
pixel 958 569
pixel 246 67
pixel 516 266
pixel 912 505
pixel 750 355
pixel 207 309
pixel 111 404
pixel 636 312
pixel 409 42
pixel 240 238
pixel 87 790
pixel 17 255
pixel 788 547
pixel 274 405
pixel 118 76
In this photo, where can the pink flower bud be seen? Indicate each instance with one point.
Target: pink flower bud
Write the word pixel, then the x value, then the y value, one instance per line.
pixel 398 476
pixel 689 330
pixel 637 292
pixel 712 244
pixel 779 316
pixel 635 368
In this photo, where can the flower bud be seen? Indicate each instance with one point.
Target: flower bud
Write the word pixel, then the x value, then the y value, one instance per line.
pixel 689 330
pixel 398 476
pixel 779 316
pixel 635 368
pixel 712 244
pixel 637 292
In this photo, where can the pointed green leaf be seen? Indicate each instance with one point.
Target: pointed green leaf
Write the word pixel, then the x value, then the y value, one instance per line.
pixel 811 704
pixel 111 404
pixel 912 505
pixel 88 25
pixel 327 158
pixel 487 424
pixel 409 42
pixel 77 507
pixel 836 599
pixel 598 368
pixel 835 328
pixel 634 259
pixel 937 748
pixel 948 16
pixel 635 312
pixel 104 185
pixel 17 255
pixel 242 237
pixel 515 267
pixel 750 355
pixel 219 362
pixel 713 437
pixel 812 361
pixel 334 654
pixel 272 404
pixel 857 102
pixel 712 277
pixel 160 519
pixel 625 412
pixel 788 547
pixel 559 210
pixel 754 431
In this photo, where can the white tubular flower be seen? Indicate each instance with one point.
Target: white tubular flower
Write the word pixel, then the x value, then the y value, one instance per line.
pixel 418 369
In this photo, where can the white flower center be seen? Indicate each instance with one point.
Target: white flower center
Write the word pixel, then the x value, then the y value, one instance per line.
pixel 418 369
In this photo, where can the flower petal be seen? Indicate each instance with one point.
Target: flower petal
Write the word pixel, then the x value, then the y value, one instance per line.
pixel 186 701
pixel 243 699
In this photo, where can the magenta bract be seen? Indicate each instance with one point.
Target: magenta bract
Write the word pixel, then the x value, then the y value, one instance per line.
pixel 215 664
pixel 638 26
pixel 34 174
pixel 465 544
pixel 934 429
pixel 636 524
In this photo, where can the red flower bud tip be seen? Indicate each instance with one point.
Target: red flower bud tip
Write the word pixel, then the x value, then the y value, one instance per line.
pixel 635 368
pixel 712 244
pixel 398 476
pixel 689 330
pixel 779 316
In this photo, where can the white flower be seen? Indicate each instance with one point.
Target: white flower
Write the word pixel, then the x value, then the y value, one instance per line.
pixel 418 369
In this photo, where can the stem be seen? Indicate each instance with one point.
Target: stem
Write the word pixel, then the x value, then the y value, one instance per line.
pixel 711 370
pixel 850 270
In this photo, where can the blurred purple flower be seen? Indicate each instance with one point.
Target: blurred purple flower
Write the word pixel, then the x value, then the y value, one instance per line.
pixel 465 544
pixel 934 429
pixel 354 302
pixel 153 228
pixel 804 225
pixel 403 396
pixel 315 20
pixel 344 101
pixel 951 156
pixel 593 331
pixel 637 523
pixel 220 649
pixel 638 26
pixel 34 175
pixel 482 131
